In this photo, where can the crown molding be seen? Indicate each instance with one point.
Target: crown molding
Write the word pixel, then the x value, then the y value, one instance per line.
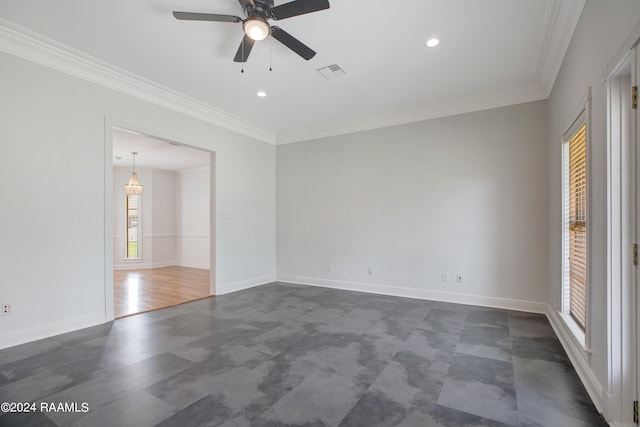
pixel 34 47
pixel 560 22
pixel 561 19
pixel 468 104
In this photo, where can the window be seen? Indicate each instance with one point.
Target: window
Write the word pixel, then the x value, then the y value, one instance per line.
pixel 575 209
pixel 133 227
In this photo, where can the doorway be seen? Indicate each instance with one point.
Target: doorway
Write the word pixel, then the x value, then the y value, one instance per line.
pixel 623 227
pixel 162 251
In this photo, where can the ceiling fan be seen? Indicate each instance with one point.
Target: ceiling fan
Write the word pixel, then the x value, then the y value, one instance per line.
pixel 256 26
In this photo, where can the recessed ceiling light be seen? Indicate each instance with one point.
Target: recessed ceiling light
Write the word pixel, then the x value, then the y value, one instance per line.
pixel 261 93
pixel 432 42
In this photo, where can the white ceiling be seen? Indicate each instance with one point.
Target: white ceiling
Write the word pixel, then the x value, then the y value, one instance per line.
pixel 487 47
pixel 155 153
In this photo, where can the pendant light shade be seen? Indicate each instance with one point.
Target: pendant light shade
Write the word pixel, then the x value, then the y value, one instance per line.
pixel 133 187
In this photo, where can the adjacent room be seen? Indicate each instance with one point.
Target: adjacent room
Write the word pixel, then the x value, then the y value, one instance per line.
pixel 161 239
pixel 319 213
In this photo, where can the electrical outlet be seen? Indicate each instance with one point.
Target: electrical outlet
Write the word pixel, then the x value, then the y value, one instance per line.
pixel 6 309
pixel 445 277
pixel 459 278
pixel 370 271
pixel 329 268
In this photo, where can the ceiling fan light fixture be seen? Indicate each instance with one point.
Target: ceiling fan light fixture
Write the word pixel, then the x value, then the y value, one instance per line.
pixel 256 28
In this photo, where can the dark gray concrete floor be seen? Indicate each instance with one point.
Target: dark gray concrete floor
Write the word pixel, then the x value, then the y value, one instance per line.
pixel 288 355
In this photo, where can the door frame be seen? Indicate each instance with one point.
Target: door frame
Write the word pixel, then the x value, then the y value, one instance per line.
pixel 623 229
pixel 109 124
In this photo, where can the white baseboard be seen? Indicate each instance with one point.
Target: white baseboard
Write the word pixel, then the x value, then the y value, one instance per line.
pixel 428 294
pixel 222 289
pixel 192 265
pixel 596 391
pixel 23 336
pixel 162 264
pixel 132 266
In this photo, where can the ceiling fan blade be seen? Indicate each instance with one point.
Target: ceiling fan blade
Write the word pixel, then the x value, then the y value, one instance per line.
pixel 297 7
pixel 244 49
pixel 190 16
pixel 292 43
pixel 247 3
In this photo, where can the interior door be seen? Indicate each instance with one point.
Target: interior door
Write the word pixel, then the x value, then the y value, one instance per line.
pixel 634 133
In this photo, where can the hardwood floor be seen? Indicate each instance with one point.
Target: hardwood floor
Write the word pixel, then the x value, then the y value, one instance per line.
pixel 137 291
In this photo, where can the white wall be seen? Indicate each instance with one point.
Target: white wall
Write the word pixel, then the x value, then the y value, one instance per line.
pixel 175 218
pixel 193 218
pixel 164 209
pixel 601 31
pixel 464 194
pixel 52 249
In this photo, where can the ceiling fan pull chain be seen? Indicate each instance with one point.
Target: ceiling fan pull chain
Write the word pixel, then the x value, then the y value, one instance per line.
pixel 242 63
pixel 270 52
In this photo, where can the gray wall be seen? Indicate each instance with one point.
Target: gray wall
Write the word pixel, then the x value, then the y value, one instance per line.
pixel 464 194
pixel 52 187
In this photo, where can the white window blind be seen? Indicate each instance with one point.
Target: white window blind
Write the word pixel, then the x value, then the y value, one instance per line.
pixel 577 217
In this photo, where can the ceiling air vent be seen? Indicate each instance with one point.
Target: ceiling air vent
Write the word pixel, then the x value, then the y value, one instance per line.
pixel 331 71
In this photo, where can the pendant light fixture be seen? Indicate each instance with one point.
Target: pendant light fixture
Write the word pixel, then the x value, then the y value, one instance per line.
pixel 133 187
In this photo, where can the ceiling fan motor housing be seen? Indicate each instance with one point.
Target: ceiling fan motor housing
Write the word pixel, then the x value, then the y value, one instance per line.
pixel 260 9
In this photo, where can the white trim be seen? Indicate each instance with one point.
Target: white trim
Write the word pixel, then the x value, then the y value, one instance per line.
pixel 109 303
pixel 192 265
pixel 177 236
pixel 139 228
pixel 161 265
pixel 578 358
pixel 427 294
pixel 129 266
pixel 561 20
pixel 29 45
pixel 622 230
pixel 476 102
pixel 22 336
pixel 581 114
pixel 223 289
pixel 623 52
pixel 577 334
